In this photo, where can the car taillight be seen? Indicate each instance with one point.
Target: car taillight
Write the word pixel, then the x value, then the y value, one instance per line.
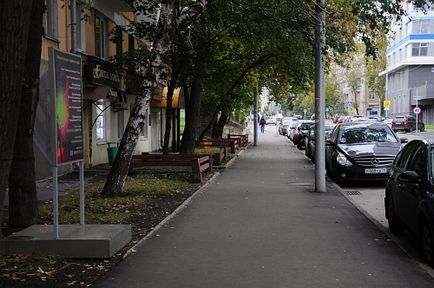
pixel 405 122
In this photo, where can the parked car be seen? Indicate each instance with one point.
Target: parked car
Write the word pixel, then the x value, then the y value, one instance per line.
pixel 284 124
pixel 356 118
pixel 406 123
pixel 361 150
pixel 388 121
pixel 409 201
pixel 310 141
pixel 301 132
pixel 342 119
pixel 272 120
pixel 292 128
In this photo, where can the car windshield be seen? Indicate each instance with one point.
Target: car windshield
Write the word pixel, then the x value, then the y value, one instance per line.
pixel 305 126
pixel 286 122
pixel 350 135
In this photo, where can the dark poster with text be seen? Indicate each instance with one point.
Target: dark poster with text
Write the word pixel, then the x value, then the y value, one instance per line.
pixel 68 106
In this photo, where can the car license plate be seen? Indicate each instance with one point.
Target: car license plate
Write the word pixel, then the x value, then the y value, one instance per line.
pixel 399 123
pixel 376 170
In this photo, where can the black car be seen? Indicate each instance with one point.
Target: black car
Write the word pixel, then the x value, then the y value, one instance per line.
pixel 310 141
pixel 409 199
pixel 406 123
pixel 301 133
pixel 361 150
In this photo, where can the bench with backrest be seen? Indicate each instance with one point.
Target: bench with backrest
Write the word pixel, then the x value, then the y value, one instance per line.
pixel 243 139
pixel 220 142
pixel 220 157
pixel 198 163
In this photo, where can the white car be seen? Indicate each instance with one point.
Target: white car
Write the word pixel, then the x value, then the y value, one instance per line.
pixel 272 120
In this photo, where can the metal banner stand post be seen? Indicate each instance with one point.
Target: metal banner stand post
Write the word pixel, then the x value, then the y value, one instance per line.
pixel 55 204
pixel 82 192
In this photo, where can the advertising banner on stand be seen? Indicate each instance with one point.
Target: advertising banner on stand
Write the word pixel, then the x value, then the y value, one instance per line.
pixel 67 107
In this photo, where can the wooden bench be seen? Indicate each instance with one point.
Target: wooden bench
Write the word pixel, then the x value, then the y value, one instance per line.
pixel 198 163
pixel 220 142
pixel 243 139
pixel 220 157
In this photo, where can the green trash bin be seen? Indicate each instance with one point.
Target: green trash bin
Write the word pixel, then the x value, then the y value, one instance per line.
pixel 112 150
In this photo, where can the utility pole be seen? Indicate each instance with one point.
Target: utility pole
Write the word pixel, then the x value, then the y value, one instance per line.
pixel 255 121
pixel 320 173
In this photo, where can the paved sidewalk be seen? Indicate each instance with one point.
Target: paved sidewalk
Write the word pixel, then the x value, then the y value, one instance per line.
pixel 260 224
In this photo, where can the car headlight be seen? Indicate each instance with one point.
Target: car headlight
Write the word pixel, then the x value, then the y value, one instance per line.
pixel 342 160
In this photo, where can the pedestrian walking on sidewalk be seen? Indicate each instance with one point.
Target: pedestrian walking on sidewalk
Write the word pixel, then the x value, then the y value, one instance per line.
pixel 262 122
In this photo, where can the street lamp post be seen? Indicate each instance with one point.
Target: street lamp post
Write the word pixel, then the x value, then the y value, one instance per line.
pixel 320 181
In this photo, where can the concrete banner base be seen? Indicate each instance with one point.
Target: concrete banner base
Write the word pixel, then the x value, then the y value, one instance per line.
pixel 75 241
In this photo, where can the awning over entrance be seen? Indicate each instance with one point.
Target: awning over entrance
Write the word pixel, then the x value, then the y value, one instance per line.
pixel 177 94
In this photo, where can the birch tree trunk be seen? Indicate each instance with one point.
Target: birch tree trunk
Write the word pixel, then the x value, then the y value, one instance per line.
pixel 22 186
pixel 162 44
pixel 14 22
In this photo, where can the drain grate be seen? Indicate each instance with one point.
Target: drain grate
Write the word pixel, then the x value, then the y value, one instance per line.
pixel 353 192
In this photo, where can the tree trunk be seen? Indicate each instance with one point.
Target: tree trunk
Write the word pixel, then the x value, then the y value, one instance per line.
pixel 192 122
pixel 169 109
pixel 22 187
pixel 162 43
pixel 217 131
pixel 118 173
pixel 14 20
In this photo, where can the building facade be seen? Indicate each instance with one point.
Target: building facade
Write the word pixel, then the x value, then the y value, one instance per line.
pixel 410 63
pixel 109 91
pixel 352 88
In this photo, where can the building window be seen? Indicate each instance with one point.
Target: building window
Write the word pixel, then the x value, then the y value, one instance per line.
pixel 371 95
pixel 81 27
pixel 144 132
pixel 421 26
pixel 50 18
pixel 419 49
pixel 100 37
pixel 101 122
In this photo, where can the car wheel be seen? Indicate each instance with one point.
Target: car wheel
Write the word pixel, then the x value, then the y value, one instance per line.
pixel 422 128
pixel 427 243
pixel 299 146
pixel 394 225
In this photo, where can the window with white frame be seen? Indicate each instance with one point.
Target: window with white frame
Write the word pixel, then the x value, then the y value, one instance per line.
pixel 101 122
pixel 421 26
pixel 144 132
pixel 81 27
pixel 419 49
pixel 100 37
pixel 49 20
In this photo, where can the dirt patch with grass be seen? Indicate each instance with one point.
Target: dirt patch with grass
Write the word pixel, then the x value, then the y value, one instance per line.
pixel 148 199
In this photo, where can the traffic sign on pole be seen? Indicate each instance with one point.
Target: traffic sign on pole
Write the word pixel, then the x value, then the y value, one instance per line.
pixel 387 104
pixel 416 110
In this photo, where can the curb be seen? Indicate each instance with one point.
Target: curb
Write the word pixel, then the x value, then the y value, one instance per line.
pixel 397 241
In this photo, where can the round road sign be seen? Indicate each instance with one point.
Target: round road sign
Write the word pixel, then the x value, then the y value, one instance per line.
pixel 416 110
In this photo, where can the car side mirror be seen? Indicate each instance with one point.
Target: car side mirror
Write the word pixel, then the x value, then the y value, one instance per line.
pixel 410 177
pixel 404 140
